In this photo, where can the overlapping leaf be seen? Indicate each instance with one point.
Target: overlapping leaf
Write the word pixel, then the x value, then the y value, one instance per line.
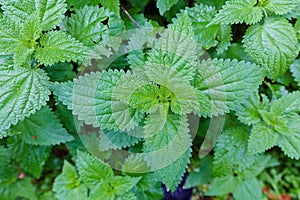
pixel 212 35
pixel 272 44
pixel 165 5
pixel 67 185
pixel 239 11
pixel 169 150
pixel 85 25
pixel 57 46
pixel 36 156
pixel 227 82
pixel 22 92
pixel 111 112
pixel 42 128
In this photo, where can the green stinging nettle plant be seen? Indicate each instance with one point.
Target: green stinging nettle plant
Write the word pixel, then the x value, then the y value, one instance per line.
pixel 132 105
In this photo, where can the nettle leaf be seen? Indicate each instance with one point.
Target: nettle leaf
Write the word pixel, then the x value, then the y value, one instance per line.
pixel 92 171
pixel 126 86
pixel 22 92
pixel 116 140
pixel 227 82
pixel 145 98
pixel 248 111
pixel 262 138
pixel 116 188
pixel 231 152
pixel 42 128
pixel 294 13
pixel 155 121
pixel 176 48
pixel 272 44
pixel 57 46
pixel 168 151
pixel 18 9
pixel 137 93
pixel 83 98
pixel 205 107
pixel 286 104
pixel 85 25
pixel 111 112
pixel 248 190
pixel 289 141
pixel 122 184
pixel 64 92
pixel 172 175
pixel 77 4
pixel 239 11
pixel 182 95
pixel 209 36
pixel 51 12
pixel 233 167
pixel 36 156
pixel 165 5
pixel 113 5
pixel 281 7
pixel 223 185
pixel 67 185
pixel 18 39
pixel 295 69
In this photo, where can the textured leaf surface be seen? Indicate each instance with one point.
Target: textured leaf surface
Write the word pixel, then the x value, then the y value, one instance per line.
pixel 223 185
pixel 183 95
pixel 85 25
pixel 116 140
pixel 111 112
pixel 295 69
pixel 281 7
pixel 248 111
pixel 64 91
pixel 169 151
pixel 137 93
pixel 57 46
pixel 294 13
pixel 227 82
pixel 287 104
pixel 289 142
pixel 83 98
pixel 113 5
pixel 42 128
pixel 50 12
pixel 18 9
pixel 262 138
pixel 239 11
pixel 176 48
pixel 165 5
pixel 209 36
pixel 67 185
pixel 36 156
pixel 231 152
pixel 18 39
pixel 22 92
pixel 272 44
pixel 91 170
pixel 248 190
pixel 116 188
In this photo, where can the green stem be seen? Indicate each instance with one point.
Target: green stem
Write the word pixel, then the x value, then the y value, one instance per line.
pixel 37 66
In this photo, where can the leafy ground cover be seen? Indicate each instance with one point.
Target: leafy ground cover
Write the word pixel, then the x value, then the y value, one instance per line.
pixel 166 99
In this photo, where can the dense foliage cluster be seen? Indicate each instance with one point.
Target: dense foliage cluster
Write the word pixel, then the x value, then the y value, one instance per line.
pixel 113 100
